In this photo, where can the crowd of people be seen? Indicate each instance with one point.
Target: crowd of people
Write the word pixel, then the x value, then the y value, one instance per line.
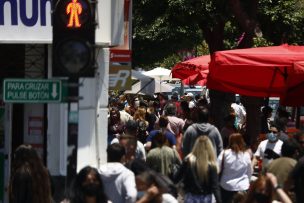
pixel 164 150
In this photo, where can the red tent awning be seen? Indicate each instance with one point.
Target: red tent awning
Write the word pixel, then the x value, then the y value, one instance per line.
pixel 294 95
pixel 193 71
pixel 262 71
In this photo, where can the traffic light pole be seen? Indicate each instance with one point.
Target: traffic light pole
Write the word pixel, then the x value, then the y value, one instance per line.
pixel 73 98
pixel 73 56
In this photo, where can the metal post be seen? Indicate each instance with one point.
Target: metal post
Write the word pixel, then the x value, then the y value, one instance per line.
pixel 73 91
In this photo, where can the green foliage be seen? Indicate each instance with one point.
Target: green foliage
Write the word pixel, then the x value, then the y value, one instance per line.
pixel 261 42
pixel 282 20
pixel 163 29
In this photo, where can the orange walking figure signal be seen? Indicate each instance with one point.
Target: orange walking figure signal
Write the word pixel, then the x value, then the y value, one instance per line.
pixel 74 9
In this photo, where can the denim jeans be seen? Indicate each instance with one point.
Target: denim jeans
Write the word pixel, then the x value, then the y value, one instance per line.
pixel 192 198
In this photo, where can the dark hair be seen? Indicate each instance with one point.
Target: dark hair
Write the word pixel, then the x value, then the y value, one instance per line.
pixel 281 123
pixel 184 105
pixel 76 192
pixel 143 104
pixel 229 117
pixel 29 181
pixel 174 97
pixel 114 110
pixel 115 152
pixel 170 109
pixel 120 106
pixel 160 139
pixel 266 110
pixel 203 114
pixel 290 147
pixel 202 102
pixel 161 181
pixel 163 121
pixel 131 127
pixel 150 178
pixel 137 166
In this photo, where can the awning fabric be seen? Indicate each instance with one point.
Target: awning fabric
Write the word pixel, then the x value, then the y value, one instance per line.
pixel 262 71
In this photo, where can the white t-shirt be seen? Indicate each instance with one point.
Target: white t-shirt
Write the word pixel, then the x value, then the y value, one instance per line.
pixel 237 170
pixel 140 152
pixel 168 198
pixel 269 146
pixel 240 112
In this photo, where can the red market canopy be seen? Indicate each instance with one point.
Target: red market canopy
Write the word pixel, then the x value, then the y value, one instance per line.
pixel 193 71
pixel 261 72
pixel 294 95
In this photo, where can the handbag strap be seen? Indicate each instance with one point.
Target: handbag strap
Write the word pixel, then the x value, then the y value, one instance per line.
pixel 222 165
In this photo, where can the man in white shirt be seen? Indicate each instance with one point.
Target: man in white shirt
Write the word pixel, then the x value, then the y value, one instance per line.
pixel 119 181
pixel 190 98
pixel 269 149
pixel 240 112
pixel 124 116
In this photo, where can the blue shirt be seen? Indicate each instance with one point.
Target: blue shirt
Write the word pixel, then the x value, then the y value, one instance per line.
pixel 170 137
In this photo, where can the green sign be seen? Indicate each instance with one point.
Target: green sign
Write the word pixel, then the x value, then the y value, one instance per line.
pixel 32 91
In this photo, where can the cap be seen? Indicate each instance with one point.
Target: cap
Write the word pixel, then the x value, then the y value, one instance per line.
pixel 190 94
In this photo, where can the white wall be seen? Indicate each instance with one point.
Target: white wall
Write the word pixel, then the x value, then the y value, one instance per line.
pixel 92 129
pixel 92 136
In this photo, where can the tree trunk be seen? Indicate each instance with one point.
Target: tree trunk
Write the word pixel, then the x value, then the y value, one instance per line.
pixel 220 103
pixel 253 119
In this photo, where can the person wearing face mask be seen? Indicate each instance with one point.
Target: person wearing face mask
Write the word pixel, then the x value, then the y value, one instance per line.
pixel 87 187
pixel 268 149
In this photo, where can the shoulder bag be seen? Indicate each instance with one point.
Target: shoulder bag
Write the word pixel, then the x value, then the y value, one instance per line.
pixel 222 167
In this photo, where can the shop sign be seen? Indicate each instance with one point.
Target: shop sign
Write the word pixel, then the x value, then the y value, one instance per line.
pixel 120 77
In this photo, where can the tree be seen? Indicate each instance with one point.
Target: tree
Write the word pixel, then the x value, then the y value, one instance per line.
pixel 164 27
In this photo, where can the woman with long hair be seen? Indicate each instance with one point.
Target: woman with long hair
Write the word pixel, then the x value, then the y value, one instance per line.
pixel 29 180
pixel 115 126
pixel 87 187
pixel 235 167
pixel 140 118
pixel 199 173
pixel 262 190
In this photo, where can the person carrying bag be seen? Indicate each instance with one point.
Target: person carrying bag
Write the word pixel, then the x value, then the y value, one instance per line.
pixel 235 168
pixel 199 173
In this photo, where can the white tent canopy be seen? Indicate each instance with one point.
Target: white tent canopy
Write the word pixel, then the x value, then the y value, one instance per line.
pixel 149 87
pixel 138 75
pixel 159 73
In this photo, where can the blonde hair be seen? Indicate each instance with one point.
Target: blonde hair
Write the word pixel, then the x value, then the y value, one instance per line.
pixel 201 156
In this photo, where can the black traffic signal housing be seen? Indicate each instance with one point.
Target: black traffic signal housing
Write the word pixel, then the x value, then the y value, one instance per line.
pixel 73 38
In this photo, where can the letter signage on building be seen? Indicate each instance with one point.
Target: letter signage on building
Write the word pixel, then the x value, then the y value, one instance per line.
pixel 25 21
pixel 29 21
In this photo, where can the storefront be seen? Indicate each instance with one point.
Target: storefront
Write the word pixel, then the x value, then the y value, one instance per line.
pixel 25 53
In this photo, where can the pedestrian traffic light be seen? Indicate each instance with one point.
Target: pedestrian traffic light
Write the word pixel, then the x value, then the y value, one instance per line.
pixel 73 38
